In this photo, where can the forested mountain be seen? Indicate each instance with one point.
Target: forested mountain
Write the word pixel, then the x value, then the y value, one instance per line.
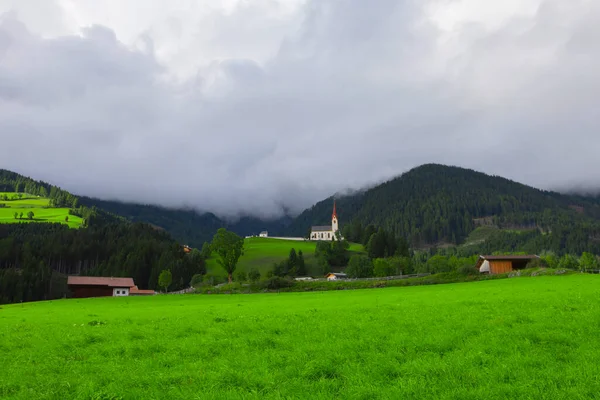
pixel 188 226
pixel 436 204
pixel 35 258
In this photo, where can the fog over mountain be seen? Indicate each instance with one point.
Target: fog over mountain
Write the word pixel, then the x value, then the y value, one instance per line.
pixel 244 107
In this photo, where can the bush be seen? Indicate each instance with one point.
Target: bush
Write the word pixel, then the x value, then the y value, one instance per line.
pixel 468 269
pixel 212 280
pixel 241 276
pixel 254 275
pixel 277 282
pixel 359 267
pixel 382 267
pixel 196 280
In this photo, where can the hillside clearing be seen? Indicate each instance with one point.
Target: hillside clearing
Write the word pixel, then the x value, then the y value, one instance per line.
pixel 262 253
pixel 40 207
pixel 513 338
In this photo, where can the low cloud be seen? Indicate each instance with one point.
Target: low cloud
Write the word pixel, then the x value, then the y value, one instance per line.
pixel 337 96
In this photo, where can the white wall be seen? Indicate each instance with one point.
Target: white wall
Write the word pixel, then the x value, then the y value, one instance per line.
pixel 118 292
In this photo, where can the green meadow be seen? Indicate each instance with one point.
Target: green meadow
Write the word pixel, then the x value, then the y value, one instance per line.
pixel 262 253
pixel 40 207
pixel 520 338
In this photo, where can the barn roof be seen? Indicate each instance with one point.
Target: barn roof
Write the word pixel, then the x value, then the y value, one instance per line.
pixel 509 257
pixel 100 281
pixel 505 258
pixel 323 228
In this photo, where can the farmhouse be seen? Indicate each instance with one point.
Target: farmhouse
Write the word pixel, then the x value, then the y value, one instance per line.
pixel 334 276
pixel 98 286
pixel 263 234
pixel 326 232
pixel 502 264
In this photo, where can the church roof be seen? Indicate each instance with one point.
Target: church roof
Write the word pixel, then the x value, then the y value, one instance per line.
pixel 334 214
pixel 324 228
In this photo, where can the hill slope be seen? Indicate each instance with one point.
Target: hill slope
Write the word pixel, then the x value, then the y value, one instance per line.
pixel 436 203
pixel 188 226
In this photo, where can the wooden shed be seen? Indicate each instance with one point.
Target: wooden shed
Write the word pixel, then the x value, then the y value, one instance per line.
pixel 99 286
pixel 502 264
pixel 334 276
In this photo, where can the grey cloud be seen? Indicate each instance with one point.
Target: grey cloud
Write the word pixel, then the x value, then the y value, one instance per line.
pixel 357 94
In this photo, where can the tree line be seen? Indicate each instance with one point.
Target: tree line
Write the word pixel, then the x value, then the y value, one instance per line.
pixel 35 258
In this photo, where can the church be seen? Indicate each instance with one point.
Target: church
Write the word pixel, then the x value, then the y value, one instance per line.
pixel 326 232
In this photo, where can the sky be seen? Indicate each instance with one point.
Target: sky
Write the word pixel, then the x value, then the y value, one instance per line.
pixel 255 106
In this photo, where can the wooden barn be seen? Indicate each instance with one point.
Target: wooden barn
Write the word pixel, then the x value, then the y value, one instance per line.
pixel 99 286
pixel 502 264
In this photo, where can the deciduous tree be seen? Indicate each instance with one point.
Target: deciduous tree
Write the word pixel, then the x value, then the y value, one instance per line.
pixel 229 247
pixel 164 279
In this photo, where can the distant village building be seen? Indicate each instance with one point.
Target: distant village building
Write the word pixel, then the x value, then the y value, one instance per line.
pixel 99 286
pixel 502 264
pixel 186 248
pixel 326 232
pixel 263 234
pixel 334 276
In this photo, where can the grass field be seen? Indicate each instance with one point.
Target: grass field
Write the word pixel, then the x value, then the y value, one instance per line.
pixel 262 253
pixel 40 208
pixel 521 338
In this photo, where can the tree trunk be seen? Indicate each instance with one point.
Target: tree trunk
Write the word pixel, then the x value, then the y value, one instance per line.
pixel 229 277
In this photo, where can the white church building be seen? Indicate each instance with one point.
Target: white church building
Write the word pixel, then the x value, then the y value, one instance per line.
pixel 326 232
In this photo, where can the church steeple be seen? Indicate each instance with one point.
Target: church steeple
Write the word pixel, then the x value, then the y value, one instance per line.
pixel 334 219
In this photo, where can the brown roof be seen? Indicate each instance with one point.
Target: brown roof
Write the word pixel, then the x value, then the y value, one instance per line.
pixel 100 281
pixel 509 257
pixel 135 290
pixel 482 259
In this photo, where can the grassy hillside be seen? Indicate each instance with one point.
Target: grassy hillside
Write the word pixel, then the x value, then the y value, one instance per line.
pixel 262 253
pixel 40 206
pixel 507 339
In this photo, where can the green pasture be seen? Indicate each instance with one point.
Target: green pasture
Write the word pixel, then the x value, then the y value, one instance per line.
pixel 521 338
pixel 262 253
pixel 40 208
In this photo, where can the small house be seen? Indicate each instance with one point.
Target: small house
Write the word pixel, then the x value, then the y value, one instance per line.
pixel 263 234
pixel 334 276
pixel 99 286
pixel 502 264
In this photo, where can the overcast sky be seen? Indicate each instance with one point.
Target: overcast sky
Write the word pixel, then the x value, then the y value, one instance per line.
pixel 244 106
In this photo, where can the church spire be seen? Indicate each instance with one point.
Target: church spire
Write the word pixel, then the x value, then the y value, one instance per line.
pixel 334 214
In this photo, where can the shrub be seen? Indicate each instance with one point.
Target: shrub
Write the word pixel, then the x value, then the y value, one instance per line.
pixel 241 276
pixel 211 279
pixel 277 282
pixel 254 275
pixel 382 267
pixel 468 269
pixel 359 267
pixel 196 280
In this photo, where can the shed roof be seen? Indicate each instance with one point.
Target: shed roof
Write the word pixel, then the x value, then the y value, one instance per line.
pixel 100 281
pixel 323 228
pixel 505 258
pixel 510 257
pixel 135 290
